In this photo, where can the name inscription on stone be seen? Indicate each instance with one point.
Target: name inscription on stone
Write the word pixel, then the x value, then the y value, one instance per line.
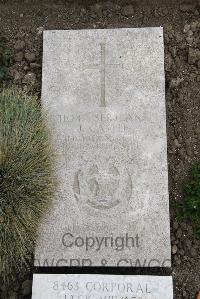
pixel 74 286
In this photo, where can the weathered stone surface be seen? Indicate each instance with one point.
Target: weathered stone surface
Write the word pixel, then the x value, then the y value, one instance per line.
pixel 105 90
pixel 54 286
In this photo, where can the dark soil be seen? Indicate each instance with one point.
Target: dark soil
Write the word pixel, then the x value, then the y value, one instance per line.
pixel 23 22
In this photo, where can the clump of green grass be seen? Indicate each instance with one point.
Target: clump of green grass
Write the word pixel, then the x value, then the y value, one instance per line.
pixel 190 208
pixel 26 177
pixel 4 58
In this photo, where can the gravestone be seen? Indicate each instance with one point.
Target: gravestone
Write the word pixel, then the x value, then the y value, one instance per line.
pixel 73 286
pixel 105 92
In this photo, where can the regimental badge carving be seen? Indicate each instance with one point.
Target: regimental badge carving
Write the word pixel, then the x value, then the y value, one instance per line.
pixel 102 186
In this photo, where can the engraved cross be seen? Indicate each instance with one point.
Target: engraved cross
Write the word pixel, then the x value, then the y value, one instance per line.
pixel 102 68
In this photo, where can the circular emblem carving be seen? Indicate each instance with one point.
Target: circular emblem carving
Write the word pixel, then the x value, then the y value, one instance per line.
pixel 102 186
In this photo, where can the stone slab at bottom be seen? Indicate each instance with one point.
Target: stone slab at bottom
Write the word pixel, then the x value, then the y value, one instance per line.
pixel 92 286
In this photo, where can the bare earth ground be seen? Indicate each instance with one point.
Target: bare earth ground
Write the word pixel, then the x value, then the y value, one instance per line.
pixel 23 23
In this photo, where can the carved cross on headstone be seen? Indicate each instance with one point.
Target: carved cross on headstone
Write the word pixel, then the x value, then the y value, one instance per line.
pixel 102 67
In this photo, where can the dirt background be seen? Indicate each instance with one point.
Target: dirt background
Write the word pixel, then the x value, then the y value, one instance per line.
pixel 23 22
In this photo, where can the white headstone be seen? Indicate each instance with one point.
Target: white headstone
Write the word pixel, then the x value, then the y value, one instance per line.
pixel 73 286
pixel 105 90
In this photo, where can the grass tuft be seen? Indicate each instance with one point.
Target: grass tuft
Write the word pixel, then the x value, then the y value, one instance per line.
pixel 26 180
